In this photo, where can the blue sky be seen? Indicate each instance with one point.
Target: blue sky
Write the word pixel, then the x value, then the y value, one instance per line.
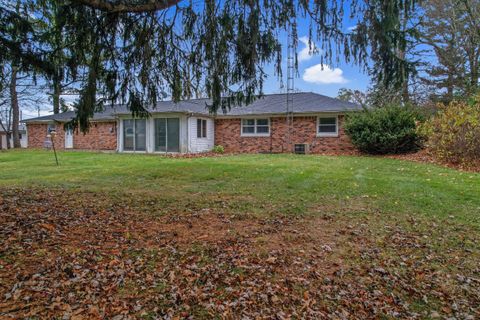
pixel 311 76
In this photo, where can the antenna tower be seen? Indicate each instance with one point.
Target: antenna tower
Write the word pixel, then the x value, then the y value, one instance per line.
pixel 290 86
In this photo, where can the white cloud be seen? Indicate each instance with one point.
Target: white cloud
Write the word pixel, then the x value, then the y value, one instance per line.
pixel 304 54
pixel 352 28
pixel 322 74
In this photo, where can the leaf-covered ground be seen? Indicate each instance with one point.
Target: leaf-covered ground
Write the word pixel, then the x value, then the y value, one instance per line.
pixel 78 254
pixel 117 236
pixel 426 156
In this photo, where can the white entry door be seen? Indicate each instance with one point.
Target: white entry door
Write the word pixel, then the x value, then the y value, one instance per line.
pixel 68 139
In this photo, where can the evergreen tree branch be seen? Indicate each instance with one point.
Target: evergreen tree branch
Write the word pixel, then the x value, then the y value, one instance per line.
pixel 128 6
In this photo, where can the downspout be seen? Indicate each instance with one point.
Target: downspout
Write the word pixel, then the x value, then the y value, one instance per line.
pixel 189 115
pixel 271 134
pixel 117 129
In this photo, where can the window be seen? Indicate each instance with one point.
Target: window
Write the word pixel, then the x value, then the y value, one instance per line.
pixel 255 127
pixel 201 128
pixel 328 126
pixel 50 127
pixel 134 135
pixel 167 134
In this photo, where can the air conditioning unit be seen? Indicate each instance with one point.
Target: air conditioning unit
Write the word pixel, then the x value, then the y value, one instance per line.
pixel 301 148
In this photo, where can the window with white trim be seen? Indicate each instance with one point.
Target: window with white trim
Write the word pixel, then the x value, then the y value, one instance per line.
pixel 201 128
pixel 327 126
pixel 256 127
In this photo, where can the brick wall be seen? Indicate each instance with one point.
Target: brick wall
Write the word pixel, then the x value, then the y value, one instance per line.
pixel 37 134
pixel 101 136
pixel 227 134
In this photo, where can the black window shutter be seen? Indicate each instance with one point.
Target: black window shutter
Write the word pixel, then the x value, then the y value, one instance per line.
pixel 204 128
pixel 199 128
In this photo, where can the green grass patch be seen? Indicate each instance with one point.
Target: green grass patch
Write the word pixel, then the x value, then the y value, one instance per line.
pixel 258 184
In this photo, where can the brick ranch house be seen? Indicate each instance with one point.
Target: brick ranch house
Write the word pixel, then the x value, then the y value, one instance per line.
pixel 188 127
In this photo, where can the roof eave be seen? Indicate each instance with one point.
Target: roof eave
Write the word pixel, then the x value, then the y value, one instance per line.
pixel 33 121
pixel 282 114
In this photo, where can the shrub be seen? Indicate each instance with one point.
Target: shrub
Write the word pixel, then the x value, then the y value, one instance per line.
pixel 218 149
pixel 389 129
pixel 453 134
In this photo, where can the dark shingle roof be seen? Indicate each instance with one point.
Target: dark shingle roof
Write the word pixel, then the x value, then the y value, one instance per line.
pixel 107 114
pixel 305 102
pixel 197 106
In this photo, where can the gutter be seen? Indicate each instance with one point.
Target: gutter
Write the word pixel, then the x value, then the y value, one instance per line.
pixel 282 114
pixel 63 121
pixel 189 115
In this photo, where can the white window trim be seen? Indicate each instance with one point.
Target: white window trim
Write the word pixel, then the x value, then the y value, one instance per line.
pixel 242 134
pixel 327 134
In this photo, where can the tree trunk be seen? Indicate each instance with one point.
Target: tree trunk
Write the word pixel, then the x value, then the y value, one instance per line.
pixel 474 74
pixel 450 87
pixel 9 144
pixel 402 54
pixel 405 92
pixel 9 131
pixel 15 108
pixel 56 96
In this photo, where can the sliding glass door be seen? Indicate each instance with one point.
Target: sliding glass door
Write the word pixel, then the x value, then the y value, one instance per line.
pixel 134 135
pixel 140 135
pixel 167 134
pixel 173 134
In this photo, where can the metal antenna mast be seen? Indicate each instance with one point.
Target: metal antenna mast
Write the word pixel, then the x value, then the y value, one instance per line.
pixel 290 86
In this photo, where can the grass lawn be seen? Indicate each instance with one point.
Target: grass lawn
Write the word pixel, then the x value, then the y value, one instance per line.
pixel 266 236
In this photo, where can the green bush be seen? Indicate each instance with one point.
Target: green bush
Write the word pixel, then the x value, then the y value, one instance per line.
pixel 389 129
pixel 218 149
pixel 453 134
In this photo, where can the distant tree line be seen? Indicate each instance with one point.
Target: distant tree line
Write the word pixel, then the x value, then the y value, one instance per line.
pixel 445 54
